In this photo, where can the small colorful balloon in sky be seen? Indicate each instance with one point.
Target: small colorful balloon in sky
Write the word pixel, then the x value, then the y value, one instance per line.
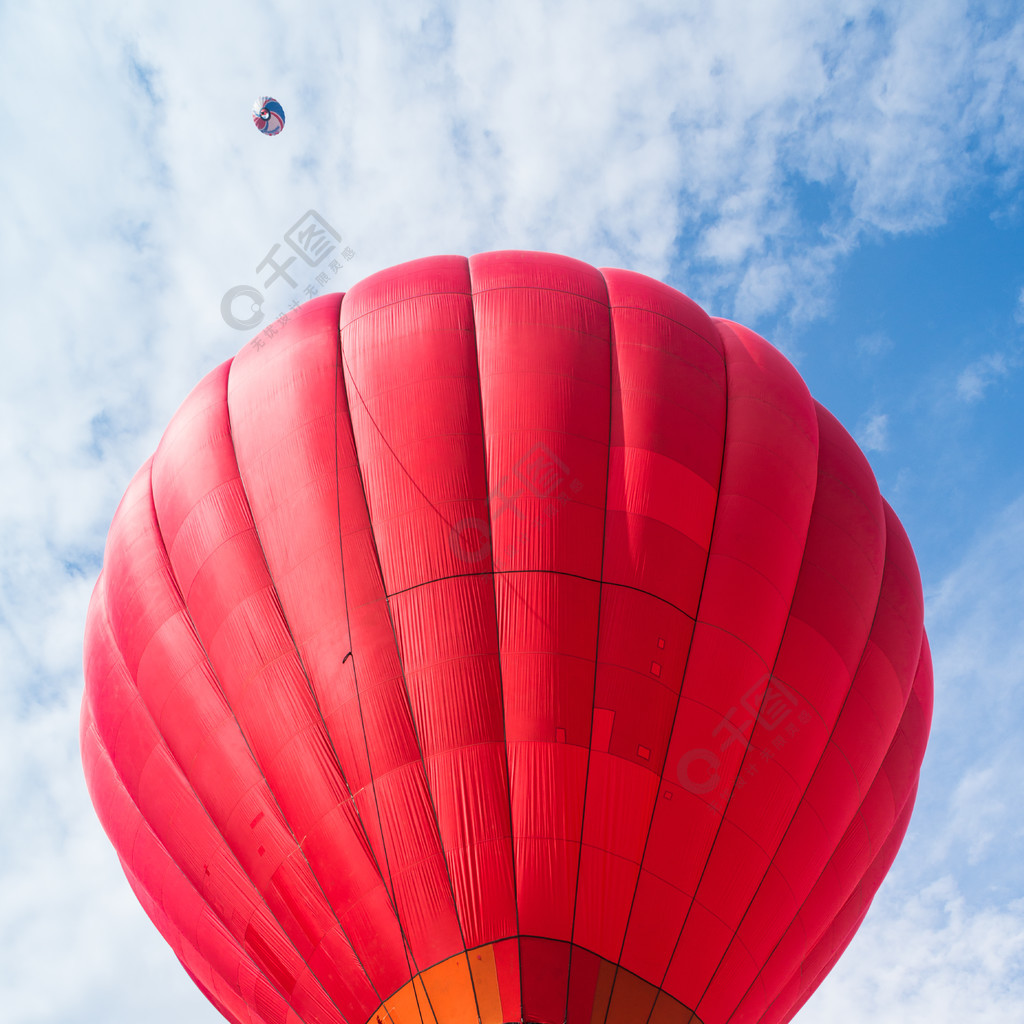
pixel 268 115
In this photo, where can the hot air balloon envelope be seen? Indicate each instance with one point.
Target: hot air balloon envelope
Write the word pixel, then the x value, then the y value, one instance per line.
pixel 506 640
pixel 268 115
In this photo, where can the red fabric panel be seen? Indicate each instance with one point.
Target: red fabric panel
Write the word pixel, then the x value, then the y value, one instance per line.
pixel 843 927
pixel 283 398
pixel 548 682
pixel 584 973
pixel 415 410
pixel 635 695
pixel 545 966
pixel 667 432
pixel 543 343
pixel 506 966
pixel 668 421
pixel 764 505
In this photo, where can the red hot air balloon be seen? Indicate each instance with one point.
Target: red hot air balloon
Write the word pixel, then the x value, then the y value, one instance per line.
pixel 506 640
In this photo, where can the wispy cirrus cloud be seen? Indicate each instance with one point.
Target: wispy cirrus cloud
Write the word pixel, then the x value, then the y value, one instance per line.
pixel 973 783
pixel 873 435
pixel 975 379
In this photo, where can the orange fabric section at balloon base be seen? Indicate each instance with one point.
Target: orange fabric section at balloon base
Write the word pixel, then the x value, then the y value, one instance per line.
pixel 486 980
pixel 506 640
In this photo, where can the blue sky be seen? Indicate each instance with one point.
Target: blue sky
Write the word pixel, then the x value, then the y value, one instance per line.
pixel 844 177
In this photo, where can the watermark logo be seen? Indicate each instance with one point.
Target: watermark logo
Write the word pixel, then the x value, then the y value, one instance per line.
pixel 542 478
pixel 775 708
pixel 313 241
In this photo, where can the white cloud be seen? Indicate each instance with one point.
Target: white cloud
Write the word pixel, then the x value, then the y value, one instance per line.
pixel 875 344
pixel 975 613
pixel 976 379
pixel 873 435
pixel 979 809
pixel 972 787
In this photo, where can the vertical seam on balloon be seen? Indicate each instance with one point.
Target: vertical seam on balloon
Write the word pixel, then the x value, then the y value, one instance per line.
pixel 410 959
pixel 597 639
pixel 295 647
pixel 408 698
pixel 679 697
pixel 749 746
pixel 184 607
pixel 831 856
pixel 497 634
pixel 821 756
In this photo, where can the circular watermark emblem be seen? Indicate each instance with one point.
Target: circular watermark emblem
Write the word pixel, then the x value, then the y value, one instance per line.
pixel 470 539
pixel 227 312
pixel 697 770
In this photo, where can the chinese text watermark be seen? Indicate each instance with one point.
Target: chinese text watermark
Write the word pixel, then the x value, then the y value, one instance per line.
pixel 539 476
pixel 313 241
pixel 776 708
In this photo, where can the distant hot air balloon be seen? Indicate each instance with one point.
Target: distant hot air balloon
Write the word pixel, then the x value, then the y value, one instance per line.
pixel 268 115
pixel 506 640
